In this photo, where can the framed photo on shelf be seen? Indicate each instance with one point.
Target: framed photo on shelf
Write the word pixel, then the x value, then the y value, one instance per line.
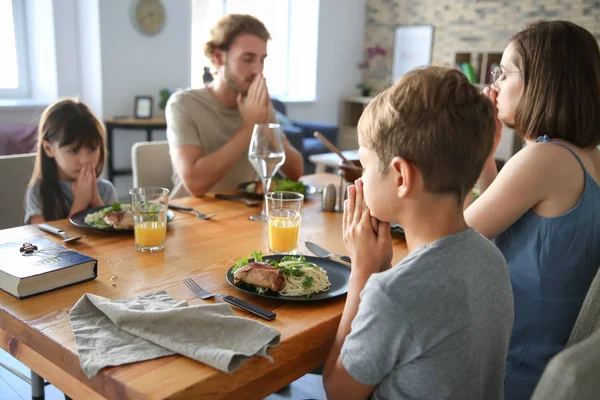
pixel 143 107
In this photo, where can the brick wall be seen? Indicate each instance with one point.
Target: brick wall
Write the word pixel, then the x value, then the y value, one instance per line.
pixel 464 26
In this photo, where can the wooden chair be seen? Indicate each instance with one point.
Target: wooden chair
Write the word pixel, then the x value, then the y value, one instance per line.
pixel 152 164
pixel 17 170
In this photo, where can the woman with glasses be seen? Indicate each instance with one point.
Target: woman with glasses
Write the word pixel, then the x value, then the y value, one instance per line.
pixel 543 208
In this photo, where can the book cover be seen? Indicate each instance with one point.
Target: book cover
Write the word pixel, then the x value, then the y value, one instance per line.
pixel 51 267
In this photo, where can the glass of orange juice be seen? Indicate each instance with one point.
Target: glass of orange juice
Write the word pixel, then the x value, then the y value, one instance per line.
pixel 284 212
pixel 149 207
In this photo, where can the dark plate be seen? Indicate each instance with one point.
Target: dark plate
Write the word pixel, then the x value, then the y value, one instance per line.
pixel 338 274
pixel 248 189
pixel 79 218
pixel 397 229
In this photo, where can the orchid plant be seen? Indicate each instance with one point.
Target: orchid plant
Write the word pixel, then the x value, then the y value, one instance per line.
pixel 371 52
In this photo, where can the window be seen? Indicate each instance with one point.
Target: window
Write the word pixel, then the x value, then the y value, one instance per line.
pixel 13 70
pixel 291 65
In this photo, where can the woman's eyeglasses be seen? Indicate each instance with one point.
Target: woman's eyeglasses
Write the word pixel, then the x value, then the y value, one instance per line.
pixel 499 74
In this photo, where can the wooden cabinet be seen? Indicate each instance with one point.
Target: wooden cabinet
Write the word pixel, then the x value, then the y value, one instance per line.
pixel 350 111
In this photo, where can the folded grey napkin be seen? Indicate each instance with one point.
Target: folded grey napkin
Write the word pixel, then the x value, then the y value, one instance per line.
pixel 114 332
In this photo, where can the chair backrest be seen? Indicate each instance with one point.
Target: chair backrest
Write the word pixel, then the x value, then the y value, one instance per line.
pixel 15 173
pixel 573 373
pixel 588 320
pixel 152 164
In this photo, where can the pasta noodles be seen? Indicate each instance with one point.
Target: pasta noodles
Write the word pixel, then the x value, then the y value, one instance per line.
pixel 304 280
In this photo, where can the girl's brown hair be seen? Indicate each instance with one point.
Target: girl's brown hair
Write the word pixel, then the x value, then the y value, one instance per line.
pixel 66 122
pixel 560 65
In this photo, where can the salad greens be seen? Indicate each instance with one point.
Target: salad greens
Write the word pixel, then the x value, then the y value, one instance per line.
pixel 97 219
pixel 288 185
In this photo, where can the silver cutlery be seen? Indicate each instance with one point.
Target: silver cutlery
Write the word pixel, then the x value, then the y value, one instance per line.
pixel 321 252
pixel 203 294
pixel 249 203
pixel 190 209
pixel 58 231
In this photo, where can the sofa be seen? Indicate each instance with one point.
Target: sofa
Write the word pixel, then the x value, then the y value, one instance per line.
pixel 300 134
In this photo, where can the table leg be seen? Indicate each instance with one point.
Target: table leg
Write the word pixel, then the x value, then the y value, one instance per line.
pixel 37 386
pixel 320 168
pixel 148 135
pixel 109 156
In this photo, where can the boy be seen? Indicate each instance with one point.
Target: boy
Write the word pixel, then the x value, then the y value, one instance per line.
pixel 437 325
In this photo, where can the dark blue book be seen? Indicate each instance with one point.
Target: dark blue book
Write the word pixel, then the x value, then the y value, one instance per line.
pixel 51 267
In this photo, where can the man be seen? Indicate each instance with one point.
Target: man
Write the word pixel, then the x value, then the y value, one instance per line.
pixel 209 129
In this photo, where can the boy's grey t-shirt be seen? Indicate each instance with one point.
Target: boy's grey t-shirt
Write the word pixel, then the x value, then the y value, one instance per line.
pixel 33 200
pixel 437 325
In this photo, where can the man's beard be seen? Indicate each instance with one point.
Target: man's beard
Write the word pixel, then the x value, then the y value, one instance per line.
pixel 232 82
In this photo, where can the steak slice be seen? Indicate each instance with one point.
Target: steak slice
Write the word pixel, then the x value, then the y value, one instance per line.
pixel 260 274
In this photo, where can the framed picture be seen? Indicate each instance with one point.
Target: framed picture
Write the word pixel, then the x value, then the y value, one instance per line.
pixel 413 45
pixel 143 107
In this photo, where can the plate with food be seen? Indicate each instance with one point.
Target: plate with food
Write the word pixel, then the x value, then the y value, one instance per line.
pixel 117 217
pixel 255 189
pixel 291 278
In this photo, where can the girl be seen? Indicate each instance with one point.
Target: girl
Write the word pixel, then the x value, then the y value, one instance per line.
pixel 70 157
pixel 543 208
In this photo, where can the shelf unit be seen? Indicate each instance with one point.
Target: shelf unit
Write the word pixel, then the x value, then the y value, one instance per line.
pixel 350 111
pixel 482 63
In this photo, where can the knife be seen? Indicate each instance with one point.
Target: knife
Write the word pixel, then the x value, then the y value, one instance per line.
pixel 321 252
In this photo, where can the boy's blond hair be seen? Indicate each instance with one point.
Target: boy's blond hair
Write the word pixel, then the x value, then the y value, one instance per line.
pixel 229 27
pixel 434 118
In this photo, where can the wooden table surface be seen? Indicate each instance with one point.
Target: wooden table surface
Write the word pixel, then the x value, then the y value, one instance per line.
pixel 37 330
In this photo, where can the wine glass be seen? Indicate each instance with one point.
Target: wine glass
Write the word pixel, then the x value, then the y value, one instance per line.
pixel 266 154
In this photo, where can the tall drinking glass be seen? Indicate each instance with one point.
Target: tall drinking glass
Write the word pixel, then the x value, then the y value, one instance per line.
pixel 149 207
pixel 285 212
pixel 266 154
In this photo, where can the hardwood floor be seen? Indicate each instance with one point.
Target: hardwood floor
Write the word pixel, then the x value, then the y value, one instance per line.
pixel 14 388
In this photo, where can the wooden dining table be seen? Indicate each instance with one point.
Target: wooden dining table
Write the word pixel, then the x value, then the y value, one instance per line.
pixel 37 330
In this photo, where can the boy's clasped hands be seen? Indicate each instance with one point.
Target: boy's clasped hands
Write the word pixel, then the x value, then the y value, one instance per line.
pixel 368 240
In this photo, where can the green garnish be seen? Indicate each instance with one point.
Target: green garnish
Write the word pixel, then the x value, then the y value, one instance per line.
pixel 307 282
pixel 257 255
pixel 240 263
pixel 288 185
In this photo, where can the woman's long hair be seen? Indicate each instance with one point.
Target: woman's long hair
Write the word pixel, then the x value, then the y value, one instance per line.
pixel 66 122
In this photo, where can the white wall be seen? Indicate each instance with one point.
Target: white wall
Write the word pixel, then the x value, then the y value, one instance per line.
pixel 341 37
pixel 90 67
pixel 134 64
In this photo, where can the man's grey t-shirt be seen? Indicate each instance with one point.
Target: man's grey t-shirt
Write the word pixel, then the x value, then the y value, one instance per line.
pixel 33 200
pixel 195 117
pixel 437 325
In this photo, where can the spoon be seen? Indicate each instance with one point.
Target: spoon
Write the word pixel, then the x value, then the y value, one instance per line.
pixel 331 146
pixel 58 231
pixel 249 203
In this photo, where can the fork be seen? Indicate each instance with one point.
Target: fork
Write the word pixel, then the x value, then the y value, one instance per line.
pixel 203 294
pixel 190 209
